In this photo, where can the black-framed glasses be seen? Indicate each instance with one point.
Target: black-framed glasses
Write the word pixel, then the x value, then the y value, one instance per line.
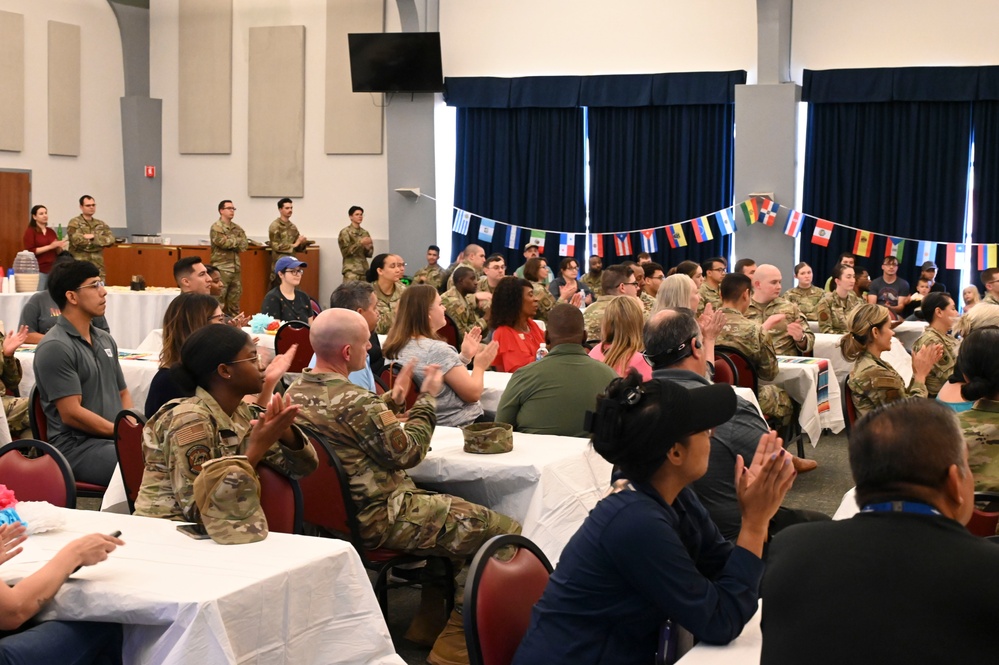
pixel 294 271
pixel 94 285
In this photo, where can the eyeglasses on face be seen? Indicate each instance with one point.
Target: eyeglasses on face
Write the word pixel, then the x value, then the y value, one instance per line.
pixel 255 358
pixel 93 285
pixel 294 271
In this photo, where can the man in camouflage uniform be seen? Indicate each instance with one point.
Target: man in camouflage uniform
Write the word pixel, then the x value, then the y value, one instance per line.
pixel 614 281
pixel 228 240
pixel 753 341
pixel 981 432
pixel 710 289
pixel 432 274
pixel 284 236
pixel 592 277
pixel 376 451
pixel 459 302
pixel 654 276
pixel 356 246
pixel 990 280
pixel 475 258
pixel 493 271
pixel 88 236
pixel 789 329
pixel 15 408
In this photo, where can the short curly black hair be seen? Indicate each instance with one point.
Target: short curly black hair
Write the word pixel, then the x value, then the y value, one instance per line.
pixel 508 302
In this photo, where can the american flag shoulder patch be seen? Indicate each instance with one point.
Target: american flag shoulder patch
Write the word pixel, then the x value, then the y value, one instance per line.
pixel 386 419
pixel 190 434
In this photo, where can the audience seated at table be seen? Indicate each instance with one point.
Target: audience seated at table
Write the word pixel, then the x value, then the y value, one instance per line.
pixel 553 395
pixel 493 270
pixel 568 269
pixel 360 297
pixel 835 306
pixel 872 381
pixel 384 274
pixel 536 272
pixel 286 302
pixel 77 642
pixel 980 317
pixel 939 311
pixel 679 351
pixel 40 313
pixel 805 295
pixel 902 581
pixel 790 332
pixel 414 337
pixel 42 241
pixel 677 291
pixel 978 362
pixel 460 302
pixel 621 345
pixel 219 366
pixel 376 451
pixel 14 407
pixel 650 552
pixel 78 376
pixel 191 275
pixel 511 318
pixel 614 281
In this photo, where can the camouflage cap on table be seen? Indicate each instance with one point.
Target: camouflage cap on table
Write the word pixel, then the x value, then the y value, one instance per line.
pixel 488 438
pixel 227 492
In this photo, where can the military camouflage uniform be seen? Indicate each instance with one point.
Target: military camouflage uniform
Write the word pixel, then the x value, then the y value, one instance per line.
pixel 942 371
pixel 93 249
pixel 545 300
pixel 375 451
pixel 466 264
pixel 355 255
pixel 981 433
pixel 593 282
pixel 186 433
pixel 282 236
pixel 462 311
pixel 833 312
pixel 991 299
pixel 648 302
pixel 784 344
pixel 484 285
pixel 874 382
pixel 430 275
pixel 708 295
pixel 387 306
pixel 749 338
pixel 228 240
pixel 16 408
pixel 807 300
pixel 593 316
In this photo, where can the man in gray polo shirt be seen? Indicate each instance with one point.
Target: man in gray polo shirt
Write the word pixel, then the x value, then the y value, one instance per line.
pixel 79 380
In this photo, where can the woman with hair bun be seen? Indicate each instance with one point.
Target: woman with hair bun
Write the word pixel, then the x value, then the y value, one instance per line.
pixel 219 367
pixel 872 381
pixel 979 363
pixel 939 311
pixel 805 295
pixel 650 552
pixel 834 307
pixel 384 274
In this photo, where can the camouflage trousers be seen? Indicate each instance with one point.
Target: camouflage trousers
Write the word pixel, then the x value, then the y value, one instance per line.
pixel 16 409
pixel 232 290
pixel 776 404
pixel 354 276
pixel 97 258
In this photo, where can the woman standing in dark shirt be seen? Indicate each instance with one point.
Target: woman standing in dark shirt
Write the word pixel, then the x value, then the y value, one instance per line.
pixel 42 241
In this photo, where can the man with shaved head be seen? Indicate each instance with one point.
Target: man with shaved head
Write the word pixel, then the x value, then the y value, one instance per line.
pixel 367 437
pixel 781 318
pixel 552 396
pixel 474 258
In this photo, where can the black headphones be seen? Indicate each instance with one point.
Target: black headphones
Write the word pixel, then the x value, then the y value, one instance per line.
pixel 673 356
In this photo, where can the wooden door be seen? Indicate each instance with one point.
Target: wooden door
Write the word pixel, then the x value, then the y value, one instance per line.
pixel 15 209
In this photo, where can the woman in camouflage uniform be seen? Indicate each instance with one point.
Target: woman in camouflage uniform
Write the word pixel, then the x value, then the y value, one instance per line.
pixel 979 364
pixel 834 307
pixel 385 272
pixel 806 295
pixel 939 310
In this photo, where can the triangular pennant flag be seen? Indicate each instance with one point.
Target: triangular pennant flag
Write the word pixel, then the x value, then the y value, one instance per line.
pixel 567 244
pixel 957 256
pixel 512 237
pixel 750 211
pixel 622 244
pixel 986 257
pixel 793 225
pixel 726 223
pixel 596 244
pixel 487 228
pixel 649 243
pixel 926 251
pixel 768 212
pixel 822 233
pixel 702 229
pixel 538 238
pixel 862 243
pixel 461 220
pixel 895 247
pixel 674 233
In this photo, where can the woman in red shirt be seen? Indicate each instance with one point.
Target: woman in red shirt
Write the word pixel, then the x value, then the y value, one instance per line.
pixel 511 318
pixel 42 240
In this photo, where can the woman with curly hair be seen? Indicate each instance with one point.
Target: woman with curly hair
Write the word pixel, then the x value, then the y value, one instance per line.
pixel 511 318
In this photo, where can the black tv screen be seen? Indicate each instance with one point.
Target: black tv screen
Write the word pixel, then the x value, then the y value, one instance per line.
pixel 396 62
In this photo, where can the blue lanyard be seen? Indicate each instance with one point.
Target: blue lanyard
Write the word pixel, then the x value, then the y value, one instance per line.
pixel 900 507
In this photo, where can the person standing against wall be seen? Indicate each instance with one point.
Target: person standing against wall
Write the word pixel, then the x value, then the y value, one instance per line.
pixel 228 240
pixel 88 236
pixel 356 246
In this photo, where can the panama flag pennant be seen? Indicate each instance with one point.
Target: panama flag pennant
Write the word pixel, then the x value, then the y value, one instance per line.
pixel 512 237
pixel 674 232
pixel 649 243
pixel 986 257
pixel 926 251
pixel 895 247
pixel 461 220
pixel 768 213
pixel 793 225
pixel 596 244
pixel 957 256
pixel 566 244
pixel 702 229
pixel 750 211
pixel 622 244
pixel 862 243
pixel 822 233
pixel 538 238
pixel 486 230
pixel 726 222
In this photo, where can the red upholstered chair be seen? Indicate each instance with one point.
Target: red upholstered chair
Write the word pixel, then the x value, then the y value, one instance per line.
pixel 388 380
pixel 499 596
pixel 849 408
pixel 128 426
pixel 40 430
pixel 327 504
pixel 36 471
pixel 725 371
pixel 985 516
pixel 449 333
pixel 744 371
pixel 281 499
pixel 294 332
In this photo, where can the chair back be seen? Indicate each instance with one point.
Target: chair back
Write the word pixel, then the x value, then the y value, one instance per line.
pixel 745 373
pixel 499 596
pixel 388 380
pixel 294 332
pixel 326 494
pixel 849 408
pixel 46 476
pixel 281 499
pixel 725 371
pixel 317 309
pixel 449 333
pixel 36 416
pixel 985 516
pixel 128 426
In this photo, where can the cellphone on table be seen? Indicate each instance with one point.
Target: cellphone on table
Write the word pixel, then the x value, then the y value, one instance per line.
pixel 113 534
pixel 195 531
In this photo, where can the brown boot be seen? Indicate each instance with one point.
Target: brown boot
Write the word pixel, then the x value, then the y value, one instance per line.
pixel 450 647
pixel 430 619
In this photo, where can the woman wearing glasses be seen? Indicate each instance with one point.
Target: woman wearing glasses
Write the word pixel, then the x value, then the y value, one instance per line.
pixel 285 302
pixel 568 270
pixel 218 367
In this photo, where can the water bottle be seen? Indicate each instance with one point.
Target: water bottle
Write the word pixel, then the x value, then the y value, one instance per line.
pixel 542 352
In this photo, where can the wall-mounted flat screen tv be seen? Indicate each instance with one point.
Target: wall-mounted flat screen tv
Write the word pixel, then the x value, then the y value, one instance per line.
pixel 396 62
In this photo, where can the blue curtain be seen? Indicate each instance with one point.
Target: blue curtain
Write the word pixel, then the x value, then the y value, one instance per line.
pixel 986 192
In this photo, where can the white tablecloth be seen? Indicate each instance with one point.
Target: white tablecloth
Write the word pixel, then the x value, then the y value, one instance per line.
pixel 743 650
pixel 287 599
pixel 827 346
pixel 907 332
pixel 547 483
pixel 801 383
pixel 130 314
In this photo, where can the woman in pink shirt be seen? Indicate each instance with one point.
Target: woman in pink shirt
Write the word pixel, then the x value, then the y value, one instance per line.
pixel 621 344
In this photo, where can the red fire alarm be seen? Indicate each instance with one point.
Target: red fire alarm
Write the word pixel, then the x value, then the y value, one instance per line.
pixel 150 171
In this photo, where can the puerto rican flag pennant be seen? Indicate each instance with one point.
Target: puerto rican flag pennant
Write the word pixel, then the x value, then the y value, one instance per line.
pixel 822 233
pixel 895 247
pixel 702 229
pixel 750 211
pixel 768 212
pixel 566 244
pixel 674 233
pixel 726 222
pixel 793 225
pixel 862 243
pixel 461 220
pixel 487 228
pixel 957 256
pixel 986 257
pixel 596 244
pixel 513 237
pixel 622 244
pixel 926 251
pixel 649 243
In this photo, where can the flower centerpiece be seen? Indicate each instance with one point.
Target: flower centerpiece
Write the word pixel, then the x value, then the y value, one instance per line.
pixel 8 513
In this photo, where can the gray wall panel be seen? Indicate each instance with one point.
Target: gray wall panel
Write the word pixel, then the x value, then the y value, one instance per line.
pixel 141 125
pixel 276 111
pixel 11 81
pixel 64 89
pixel 205 77
pixel 353 120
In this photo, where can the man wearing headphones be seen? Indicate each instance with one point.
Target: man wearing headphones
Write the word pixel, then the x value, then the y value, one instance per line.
pixel 677 351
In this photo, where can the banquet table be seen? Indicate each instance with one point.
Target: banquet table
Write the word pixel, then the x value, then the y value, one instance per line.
pixel 743 650
pixel 812 383
pixel 285 600
pixel 827 346
pixel 130 314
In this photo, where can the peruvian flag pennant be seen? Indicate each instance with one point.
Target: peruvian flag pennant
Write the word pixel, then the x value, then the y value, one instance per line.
pixel 822 233
pixel 622 244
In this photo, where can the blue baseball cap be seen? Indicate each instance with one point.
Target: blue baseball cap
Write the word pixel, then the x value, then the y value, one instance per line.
pixel 286 262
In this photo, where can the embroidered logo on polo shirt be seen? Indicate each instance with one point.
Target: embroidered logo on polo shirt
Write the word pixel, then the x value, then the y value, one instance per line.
pixel 108 351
